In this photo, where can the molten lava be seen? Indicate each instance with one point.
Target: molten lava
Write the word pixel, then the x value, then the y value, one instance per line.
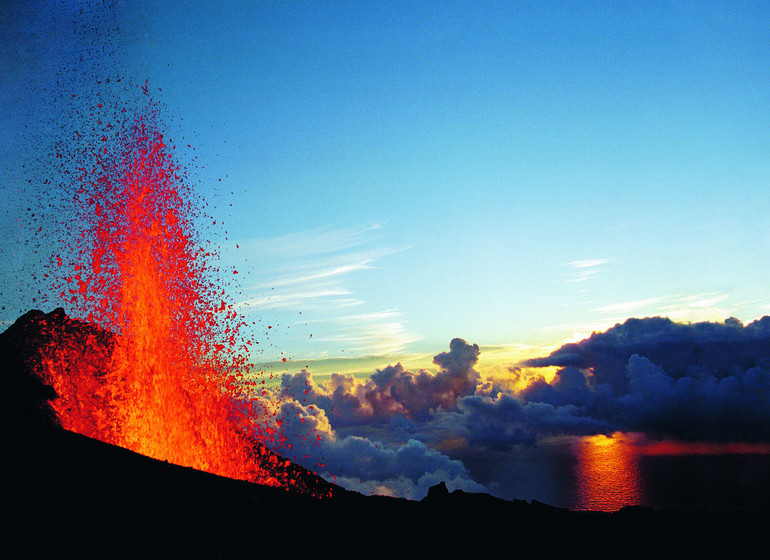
pixel 162 378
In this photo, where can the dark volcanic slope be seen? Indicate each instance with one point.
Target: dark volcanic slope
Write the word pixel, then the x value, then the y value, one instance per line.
pixel 67 494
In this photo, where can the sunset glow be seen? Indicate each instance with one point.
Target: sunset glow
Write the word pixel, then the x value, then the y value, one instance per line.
pixel 401 243
pixel 701 448
pixel 608 474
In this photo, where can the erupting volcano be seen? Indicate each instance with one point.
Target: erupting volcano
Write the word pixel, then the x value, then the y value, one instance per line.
pixel 153 358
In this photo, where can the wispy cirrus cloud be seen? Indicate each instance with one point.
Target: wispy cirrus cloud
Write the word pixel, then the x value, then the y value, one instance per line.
pixel 310 242
pixel 320 256
pixel 315 272
pixel 301 300
pixel 582 270
pixel 320 274
pixel 694 307
pixel 378 333
pixel 707 306
pixel 631 306
pixel 587 263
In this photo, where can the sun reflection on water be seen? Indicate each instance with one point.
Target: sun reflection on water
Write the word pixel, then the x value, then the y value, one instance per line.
pixel 608 474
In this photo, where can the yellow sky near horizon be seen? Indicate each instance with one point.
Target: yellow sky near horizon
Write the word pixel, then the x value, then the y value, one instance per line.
pixel 496 363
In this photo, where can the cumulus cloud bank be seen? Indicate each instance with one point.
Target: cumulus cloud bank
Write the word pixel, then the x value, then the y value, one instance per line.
pixel 394 432
pixel 700 381
pixel 322 421
pixel 392 391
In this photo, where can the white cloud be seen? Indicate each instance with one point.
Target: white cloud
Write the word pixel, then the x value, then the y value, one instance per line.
pixel 378 333
pixel 313 272
pixel 585 269
pixel 309 243
pixel 319 274
pixel 300 300
pixel 709 306
pixel 696 307
pixel 631 306
pixel 588 263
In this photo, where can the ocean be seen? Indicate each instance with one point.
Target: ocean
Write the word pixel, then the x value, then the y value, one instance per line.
pixel 606 474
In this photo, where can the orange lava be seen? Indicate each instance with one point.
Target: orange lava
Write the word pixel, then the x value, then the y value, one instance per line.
pixel 165 385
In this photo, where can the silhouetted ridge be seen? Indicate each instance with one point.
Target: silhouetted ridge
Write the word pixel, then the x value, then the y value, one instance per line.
pixel 21 350
pixel 71 495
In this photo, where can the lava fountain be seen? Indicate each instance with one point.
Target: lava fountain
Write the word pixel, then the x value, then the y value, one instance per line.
pixel 165 379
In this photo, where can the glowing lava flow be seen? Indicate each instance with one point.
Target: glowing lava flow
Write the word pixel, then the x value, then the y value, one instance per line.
pixel 165 384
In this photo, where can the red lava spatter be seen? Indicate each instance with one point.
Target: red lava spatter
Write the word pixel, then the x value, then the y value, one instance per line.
pixel 170 386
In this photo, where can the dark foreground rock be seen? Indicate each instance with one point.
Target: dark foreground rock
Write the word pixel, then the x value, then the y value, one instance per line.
pixel 70 495
pixel 67 495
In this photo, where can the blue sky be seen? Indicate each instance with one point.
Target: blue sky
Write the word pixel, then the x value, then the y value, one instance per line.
pixel 388 176
pixel 398 174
